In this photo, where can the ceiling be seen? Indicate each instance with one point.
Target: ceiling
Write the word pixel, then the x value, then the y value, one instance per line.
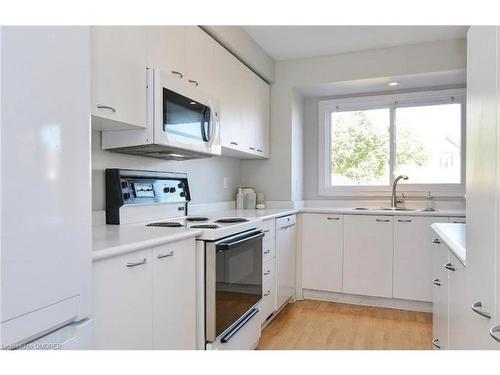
pixel 297 42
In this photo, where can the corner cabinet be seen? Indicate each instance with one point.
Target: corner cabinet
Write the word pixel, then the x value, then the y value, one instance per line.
pixel 146 299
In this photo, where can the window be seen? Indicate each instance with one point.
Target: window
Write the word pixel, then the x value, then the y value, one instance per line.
pixel 366 142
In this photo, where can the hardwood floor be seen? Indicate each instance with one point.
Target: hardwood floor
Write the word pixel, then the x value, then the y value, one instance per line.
pixel 328 325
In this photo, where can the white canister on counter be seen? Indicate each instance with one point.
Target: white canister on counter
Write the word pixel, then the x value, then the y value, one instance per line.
pixel 250 198
pixel 240 199
pixel 261 202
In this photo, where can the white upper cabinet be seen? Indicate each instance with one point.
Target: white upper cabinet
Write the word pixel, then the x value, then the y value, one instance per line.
pixel 166 49
pixel 368 248
pixel 118 71
pixel 412 257
pixel 199 58
pixel 322 243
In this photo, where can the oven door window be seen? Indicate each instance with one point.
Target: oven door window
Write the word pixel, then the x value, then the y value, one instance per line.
pixel 185 117
pixel 238 282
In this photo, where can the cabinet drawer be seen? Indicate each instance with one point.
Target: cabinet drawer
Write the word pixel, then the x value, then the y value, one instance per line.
pixel 269 228
pixel 283 222
pixel 268 249
pixel 268 304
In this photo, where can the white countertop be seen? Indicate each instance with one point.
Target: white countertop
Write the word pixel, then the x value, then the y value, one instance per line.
pixel 112 240
pixel 375 211
pixel 453 235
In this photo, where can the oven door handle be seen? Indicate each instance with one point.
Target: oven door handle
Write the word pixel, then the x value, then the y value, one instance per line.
pixel 229 245
pixel 225 339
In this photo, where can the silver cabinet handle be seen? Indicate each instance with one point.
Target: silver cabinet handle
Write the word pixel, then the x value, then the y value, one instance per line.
pixel 450 266
pixel 493 332
pixel 135 264
pixel 267 230
pixel 258 150
pixel 101 106
pixel 235 143
pixel 382 220
pixel 476 308
pixel 434 343
pixel 436 282
pixel 333 218
pixel 177 73
pixel 267 273
pixel 287 226
pixel 268 293
pixel 252 148
pixel 404 221
pixel 169 254
pixel 267 251
pixel 193 82
pixel 436 240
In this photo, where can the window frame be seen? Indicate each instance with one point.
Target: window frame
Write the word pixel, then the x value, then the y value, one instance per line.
pixel 392 101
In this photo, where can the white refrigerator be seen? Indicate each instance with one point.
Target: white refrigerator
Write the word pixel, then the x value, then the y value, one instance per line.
pixel 45 188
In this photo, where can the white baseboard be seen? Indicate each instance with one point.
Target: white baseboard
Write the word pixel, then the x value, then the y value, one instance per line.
pixel 391 303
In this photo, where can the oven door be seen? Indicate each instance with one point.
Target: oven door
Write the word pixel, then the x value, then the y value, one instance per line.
pixel 184 117
pixel 233 281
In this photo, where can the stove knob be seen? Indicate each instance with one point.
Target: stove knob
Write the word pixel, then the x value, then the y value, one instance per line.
pixel 172 190
pixel 126 196
pixel 166 190
pixel 182 194
pixel 181 185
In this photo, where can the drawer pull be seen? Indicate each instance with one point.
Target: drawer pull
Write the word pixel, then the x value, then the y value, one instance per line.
pixel 267 251
pixel 235 143
pixel 436 240
pixel 493 332
pixel 404 221
pixel 135 264
pixel 476 308
pixel 333 218
pixel 287 226
pixel 252 148
pixel 267 273
pixel 100 106
pixel 193 82
pixel 259 150
pixel 450 267
pixel 169 254
pixel 436 282
pixel 382 220
pixel 434 343
pixel 268 293
pixel 178 73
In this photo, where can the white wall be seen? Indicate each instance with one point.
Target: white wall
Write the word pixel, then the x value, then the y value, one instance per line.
pixel 206 176
pixel 276 176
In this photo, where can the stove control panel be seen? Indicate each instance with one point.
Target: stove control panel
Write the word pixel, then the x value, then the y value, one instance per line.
pixel 129 187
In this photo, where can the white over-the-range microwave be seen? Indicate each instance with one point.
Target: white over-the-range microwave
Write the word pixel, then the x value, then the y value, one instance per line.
pixel 182 122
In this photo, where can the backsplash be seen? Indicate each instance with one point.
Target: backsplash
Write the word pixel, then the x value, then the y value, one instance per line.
pixel 206 176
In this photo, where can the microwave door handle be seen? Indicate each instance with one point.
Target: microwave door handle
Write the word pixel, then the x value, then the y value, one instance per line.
pixel 202 126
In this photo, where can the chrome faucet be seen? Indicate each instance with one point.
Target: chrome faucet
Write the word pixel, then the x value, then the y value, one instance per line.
pixel 394 201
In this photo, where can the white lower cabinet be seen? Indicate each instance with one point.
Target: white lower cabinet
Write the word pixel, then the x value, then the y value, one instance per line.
pixel 322 245
pixel 174 297
pixel 412 257
pixel 123 302
pixel 458 310
pixel 268 304
pixel 368 251
pixel 286 233
pixel 439 296
pixel 146 299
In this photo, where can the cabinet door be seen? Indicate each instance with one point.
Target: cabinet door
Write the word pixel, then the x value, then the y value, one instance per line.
pixel 439 295
pixel 482 184
pixel 174 296
pixel 458 314
pixel 412 257
pixel 199 58
pixel 167 49
pixel 227 87
pixel 262 111
pixel 123 302
pixel 118 71
pixel 285 258
pixel 268 304
pixel 322 243
pixel 368 250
